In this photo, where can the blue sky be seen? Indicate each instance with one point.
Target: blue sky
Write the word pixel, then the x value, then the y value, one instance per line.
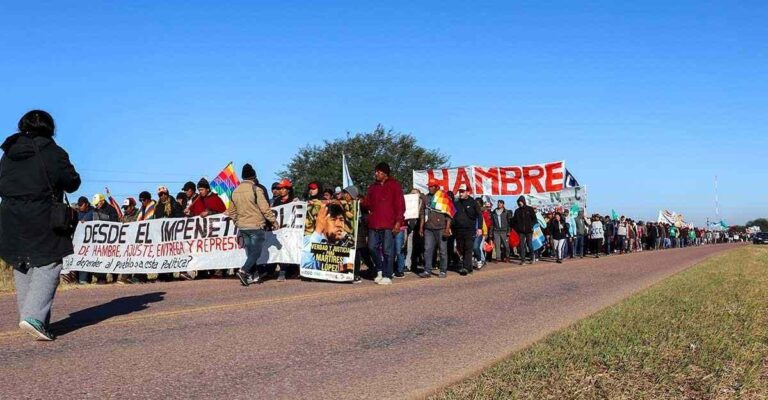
pixel 647 102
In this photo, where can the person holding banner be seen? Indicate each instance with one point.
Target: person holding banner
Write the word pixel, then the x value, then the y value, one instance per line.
pixel 35 225
pixel 386 206
pixel 596 235
pixel 250 212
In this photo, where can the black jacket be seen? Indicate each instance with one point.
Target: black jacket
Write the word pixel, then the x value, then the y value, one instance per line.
pixel 105 213
pixel 26 236
pixel 176 210
pixel 467 214
pixel 555 231
pixel 524 218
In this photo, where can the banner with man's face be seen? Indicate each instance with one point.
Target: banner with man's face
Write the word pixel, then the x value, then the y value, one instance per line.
pixel 330 237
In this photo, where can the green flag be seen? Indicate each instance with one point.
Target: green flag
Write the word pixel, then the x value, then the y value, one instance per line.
pixel 614 215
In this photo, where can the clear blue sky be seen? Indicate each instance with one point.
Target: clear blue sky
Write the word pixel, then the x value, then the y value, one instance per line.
pixel 646 101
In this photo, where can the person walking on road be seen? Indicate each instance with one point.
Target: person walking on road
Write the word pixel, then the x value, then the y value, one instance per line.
pixel 435 228
pixel 524 220
pixel 558 231
pixel 34 175
pixel 251 214
pixel 501 219
pixel 467 224
pixel 386 205
pixel 596 235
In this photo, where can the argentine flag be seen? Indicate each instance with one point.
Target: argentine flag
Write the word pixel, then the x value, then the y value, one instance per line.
pixel 538 239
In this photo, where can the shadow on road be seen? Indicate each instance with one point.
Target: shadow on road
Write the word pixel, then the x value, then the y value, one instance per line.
pixel 102 312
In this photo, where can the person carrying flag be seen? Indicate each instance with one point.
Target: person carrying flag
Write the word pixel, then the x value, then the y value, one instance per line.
pixel 207 202
pixel 435 228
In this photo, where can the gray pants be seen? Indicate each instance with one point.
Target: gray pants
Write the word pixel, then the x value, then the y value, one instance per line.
pixel 35 288
pixel 433 237
pixel 500 239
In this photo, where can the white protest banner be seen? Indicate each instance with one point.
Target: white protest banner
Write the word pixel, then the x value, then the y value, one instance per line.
pixel 181 244
pixel 412 206
pixel 671 218
pixel 496 181
pixel 564 199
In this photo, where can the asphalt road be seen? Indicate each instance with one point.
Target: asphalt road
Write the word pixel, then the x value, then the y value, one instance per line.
pixel 314 340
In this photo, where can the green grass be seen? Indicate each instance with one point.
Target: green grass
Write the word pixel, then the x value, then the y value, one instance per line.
pixel 700 334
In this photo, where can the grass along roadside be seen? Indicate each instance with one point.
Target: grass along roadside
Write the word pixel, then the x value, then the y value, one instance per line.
pixel 700 334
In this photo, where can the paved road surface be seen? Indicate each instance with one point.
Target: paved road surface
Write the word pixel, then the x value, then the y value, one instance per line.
pixel 314 340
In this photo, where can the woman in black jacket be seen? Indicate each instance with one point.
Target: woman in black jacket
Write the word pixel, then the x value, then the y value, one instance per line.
pixel 27 241
pixel 558 230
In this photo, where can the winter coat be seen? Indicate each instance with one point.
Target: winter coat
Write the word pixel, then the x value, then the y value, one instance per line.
pixel 212 203
pixel 176 210
pixel 468 215
pixel 105 213
pixel 501 221
pixel 249 208
pixel 26 236
pixel 557 231
pixel 524 218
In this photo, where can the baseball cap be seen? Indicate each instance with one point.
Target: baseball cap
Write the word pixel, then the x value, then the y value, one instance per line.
pixel 129 202
pixel 162 189
pixel 313 185
pixel 433 182
pixel 337 190
pixel 285 183
pixel 98 197
pixel 462 187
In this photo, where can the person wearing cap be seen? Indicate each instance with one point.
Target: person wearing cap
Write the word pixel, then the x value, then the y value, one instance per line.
pixel 313 191
pixel 207 202
pixel 435 228
pixel 102 210
pixel 385 204
pixel 467 224
pixel 337 193
pixel 189 191
pixel 84 214
pixel 251 214
pixel 275 191
pixel 166 206
pixel 130 212
pixel 284 193
pixel 147 210
pixel 181 199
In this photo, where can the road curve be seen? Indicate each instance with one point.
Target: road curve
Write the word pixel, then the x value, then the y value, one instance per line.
pixel 313 340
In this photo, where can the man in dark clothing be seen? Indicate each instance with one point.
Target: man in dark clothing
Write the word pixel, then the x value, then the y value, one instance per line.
pixel 501 219
pixel 386 207
pixel 166 206
pixel 103 211
pixel 608 227
pixel 467 224
pixel 524 220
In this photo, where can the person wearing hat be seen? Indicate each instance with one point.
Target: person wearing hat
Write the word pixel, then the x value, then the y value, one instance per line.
pixel 313 191
pixel 337 193
pixel 467 224
pixel 147 210
pixel 251 214
pixel 167 207
pixel 385 204
pixel 189 191
pixel 284 193
pixel 130 212
pixel 207 202
pixel 84 209
pixel 103 211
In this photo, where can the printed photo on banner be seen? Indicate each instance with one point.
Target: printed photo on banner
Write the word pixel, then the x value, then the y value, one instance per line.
pixel 330 236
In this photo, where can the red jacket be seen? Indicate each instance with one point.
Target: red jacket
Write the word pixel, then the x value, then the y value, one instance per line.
pixel 212 203
pixel 386 204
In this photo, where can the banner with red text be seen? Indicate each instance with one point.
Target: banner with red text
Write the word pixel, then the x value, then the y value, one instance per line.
pixel 181 244
pixel 496 181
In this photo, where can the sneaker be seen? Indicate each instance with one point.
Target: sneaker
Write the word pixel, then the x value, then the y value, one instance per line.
pixel 463 272
pixel 379 277
pixel 37 329
pixel 254 279
pixel 399 275
pixel 357 280
pixel 559 261
pixel 243 276
pixel 385 281
pixel 186 276
pixel 281 276
pixel 443 274
pixel 425 274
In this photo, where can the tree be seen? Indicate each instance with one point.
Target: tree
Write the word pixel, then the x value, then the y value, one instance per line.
pixel 364 150
pixel 761 222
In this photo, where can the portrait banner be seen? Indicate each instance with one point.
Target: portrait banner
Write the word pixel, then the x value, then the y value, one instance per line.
pixel 329 243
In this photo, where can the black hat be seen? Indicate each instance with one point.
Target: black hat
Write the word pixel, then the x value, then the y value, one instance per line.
pixel 145 196
pixel 275 185
pixel 383 167
pixel 181 195
pixel 82 200
pixel 189 186
pixel 248 172
pixel 203 183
